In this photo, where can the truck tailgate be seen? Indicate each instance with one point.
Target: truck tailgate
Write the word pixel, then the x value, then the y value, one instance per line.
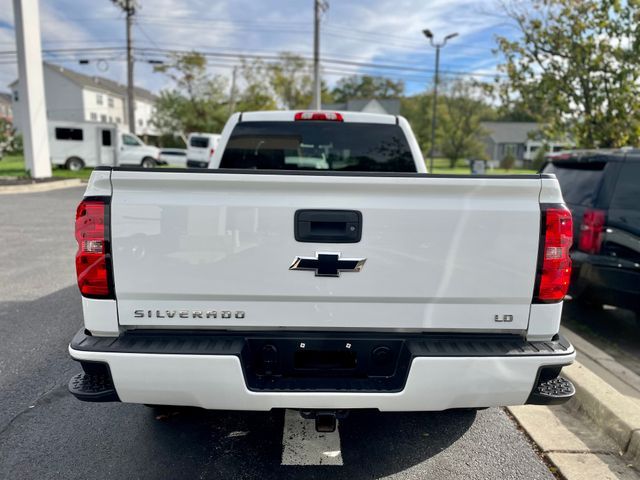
pixel 212 249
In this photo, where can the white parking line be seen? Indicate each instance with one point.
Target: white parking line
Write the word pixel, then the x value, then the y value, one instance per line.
pixel 302 445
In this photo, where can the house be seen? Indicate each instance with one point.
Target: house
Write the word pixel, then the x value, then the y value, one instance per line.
pixel 73 96
pixel 521 139
pixel 390 106
pixel 6 111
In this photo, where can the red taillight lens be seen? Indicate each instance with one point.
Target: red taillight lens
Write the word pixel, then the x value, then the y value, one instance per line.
pixel 554 266
pixel 327 116
pixel 93 259
pixel 211 152
pixel 591 231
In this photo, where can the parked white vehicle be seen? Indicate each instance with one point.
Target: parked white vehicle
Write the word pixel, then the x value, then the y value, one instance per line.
pixel 333 273
pixel 200 149
pixel 174 157
pixel 75 145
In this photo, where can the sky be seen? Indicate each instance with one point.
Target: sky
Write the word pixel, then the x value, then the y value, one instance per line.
pixel 355 35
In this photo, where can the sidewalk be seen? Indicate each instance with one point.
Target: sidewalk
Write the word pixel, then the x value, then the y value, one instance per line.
pixel 597 434
pixel 604 365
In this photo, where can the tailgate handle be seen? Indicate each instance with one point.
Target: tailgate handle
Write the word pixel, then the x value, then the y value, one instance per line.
pixel 328 226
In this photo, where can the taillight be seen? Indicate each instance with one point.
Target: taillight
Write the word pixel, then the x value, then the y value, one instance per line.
pixel 591 230
pixel 327 116
pixel 554 262
pixel 93 259
pixel 211 152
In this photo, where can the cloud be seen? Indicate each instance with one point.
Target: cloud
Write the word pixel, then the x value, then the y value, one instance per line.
pixel 382 31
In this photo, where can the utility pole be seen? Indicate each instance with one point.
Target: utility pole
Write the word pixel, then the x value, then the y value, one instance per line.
pixel 129 7
pixel 31 100
pixel 319 7
pixel 232 93
pixel 437 46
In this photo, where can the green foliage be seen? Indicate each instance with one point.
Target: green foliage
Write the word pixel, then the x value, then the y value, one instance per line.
pixel 539 158
pixel 459 121
pixel 291 81
pixel 576 67
pixel 508 161
pixel 417 110
pixel 366 86
pixel 197 103
pixel 256 94
pixel 10 141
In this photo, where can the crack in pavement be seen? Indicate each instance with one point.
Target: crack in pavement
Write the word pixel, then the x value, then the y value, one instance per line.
pixel 53 392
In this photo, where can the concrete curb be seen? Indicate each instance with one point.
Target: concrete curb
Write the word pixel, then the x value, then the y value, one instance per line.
pixel 616 414
pixel 40 187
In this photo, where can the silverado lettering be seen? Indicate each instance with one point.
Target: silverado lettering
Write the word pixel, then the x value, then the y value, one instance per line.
pixel 187 313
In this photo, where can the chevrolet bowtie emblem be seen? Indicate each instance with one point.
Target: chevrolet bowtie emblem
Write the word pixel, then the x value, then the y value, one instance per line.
pixel 328 264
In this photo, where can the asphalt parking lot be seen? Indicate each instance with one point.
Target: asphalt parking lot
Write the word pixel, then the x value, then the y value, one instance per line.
pixel 46 433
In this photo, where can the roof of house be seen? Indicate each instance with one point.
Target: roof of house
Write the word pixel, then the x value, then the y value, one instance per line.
pixel 389 106
pixel 510 132
pixel 99 82
pixel 5 97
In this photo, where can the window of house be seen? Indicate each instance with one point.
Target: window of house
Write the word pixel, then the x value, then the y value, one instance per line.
pixel 99 98
pixel 110 119
pixel 511 148
pixel 15 95
pixel 69 134
pixel 93 116
pixel 118 120
pixel 103 118
pixel 140 122
pixel 110 101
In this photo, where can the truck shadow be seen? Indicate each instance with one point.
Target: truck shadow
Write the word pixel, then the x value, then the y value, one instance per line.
pixel 249 444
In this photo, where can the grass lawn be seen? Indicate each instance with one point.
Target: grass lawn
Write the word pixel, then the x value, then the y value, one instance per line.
pixel 441 166
pixel 13 166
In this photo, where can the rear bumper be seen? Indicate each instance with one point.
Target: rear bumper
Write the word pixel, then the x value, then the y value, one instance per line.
pixel 211 371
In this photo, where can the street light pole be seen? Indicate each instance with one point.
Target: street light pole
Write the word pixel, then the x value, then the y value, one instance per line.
pixel 437 46
pixel 319 6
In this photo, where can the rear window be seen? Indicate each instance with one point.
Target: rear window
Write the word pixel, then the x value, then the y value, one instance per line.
pixel 626 195
pixel 355 147
pixel 579 182
pixel 199 142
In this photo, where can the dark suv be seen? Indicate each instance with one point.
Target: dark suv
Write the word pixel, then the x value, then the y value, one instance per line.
pixel 602 190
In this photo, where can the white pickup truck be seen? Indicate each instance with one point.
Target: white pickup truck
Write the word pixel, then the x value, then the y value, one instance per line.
pixel 317 266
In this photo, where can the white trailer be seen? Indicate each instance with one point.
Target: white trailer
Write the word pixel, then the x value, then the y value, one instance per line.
pixel 75 145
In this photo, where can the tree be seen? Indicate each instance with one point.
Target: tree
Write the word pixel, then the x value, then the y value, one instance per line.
pixel 459 121
pixel 198 102
pixel 256 94
pixel 366 86
pixel 508 161
pixel 291 81
pixel 576 63
pixel 417 110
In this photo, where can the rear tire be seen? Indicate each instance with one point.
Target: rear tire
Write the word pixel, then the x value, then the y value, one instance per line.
pixel 148 162
pixel 74 164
